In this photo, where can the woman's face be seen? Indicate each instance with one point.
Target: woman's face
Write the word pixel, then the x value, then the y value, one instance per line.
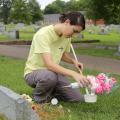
pixel 70 30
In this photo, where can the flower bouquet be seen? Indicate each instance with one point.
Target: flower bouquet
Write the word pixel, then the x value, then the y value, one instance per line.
pixel 102 83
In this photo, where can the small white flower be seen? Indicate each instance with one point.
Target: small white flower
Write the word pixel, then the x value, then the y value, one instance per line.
pixel 54 101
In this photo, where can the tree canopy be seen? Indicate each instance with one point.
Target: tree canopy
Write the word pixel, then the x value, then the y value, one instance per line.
pixel 28 11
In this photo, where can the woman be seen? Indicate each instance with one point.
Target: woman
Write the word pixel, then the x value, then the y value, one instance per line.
pixel 50 45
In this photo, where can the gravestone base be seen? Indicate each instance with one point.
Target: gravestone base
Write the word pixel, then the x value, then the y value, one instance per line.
pixel 14 107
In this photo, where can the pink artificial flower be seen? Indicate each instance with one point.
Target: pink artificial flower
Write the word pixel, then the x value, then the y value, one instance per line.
pixel 100 81
pixel 92 80
pixel 99 90
pixel 107 87
pixel 101 76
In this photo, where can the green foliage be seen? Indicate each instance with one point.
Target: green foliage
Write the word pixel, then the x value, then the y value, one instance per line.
pixel 52 9
pixel 95 9
pixel 28 11
pixel 20 12
pixel 107 9
pixel 25 11
pixel 5 6
pixel 35 11
pixel 60 6
pixel 74 5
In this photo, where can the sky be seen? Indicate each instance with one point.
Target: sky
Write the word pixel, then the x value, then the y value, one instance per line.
pixel 44 3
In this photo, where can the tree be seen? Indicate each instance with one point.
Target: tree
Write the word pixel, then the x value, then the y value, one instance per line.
pixel 52 9
pixel 73 5
pixel 113 8
pixel 20 12
pixel 35 11
pixel 107 9
pixel 60 6
pixel 5 6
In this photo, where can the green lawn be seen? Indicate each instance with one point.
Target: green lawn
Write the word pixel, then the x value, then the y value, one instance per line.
pixel 111 39
pixel 108 53
pixel 106 108
pixel 27 33
pixel 11 74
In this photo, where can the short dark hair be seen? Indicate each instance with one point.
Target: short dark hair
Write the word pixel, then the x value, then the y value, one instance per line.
pixel 76 18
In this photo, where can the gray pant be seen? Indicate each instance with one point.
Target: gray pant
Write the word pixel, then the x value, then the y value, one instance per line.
pixel 48 84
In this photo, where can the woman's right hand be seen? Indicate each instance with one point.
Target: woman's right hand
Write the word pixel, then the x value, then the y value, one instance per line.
pixel 81 79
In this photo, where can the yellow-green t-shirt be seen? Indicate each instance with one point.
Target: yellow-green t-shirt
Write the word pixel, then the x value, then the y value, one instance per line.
pixel 46 40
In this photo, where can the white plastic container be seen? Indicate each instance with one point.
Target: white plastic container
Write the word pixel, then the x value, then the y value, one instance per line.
pixel 90 98
pixel 75 85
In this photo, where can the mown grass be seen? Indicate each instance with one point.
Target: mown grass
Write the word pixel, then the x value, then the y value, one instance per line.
pixel 26 33
pixel 112 38
pixel 108 53
pixel 107 107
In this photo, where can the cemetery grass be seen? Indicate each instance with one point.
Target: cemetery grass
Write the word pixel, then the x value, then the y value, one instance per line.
pixel 107 107
pixel 4 38
pixel 111 39
pixel 107 53
pixel 27 33
pixel 22 36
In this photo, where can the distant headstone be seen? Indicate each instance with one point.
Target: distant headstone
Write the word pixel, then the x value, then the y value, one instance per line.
pixel 19 26
pixel 36 27
pixel 115 28
pixel 103 30
pixel 14 34
pixel 118 52
pixel 80 36
pixel 2 28
pixel 119 48
pixel 118 28
pixel 14 107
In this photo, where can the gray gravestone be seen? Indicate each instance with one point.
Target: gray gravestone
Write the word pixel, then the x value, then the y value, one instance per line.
pixel 104 30
pixel 36 27
pixel 14 34
pixel 2 28
pixel 119 48
pixel 80 36
pixel 14 107
pixel 118 52
pixel 118 28
pixel 19 26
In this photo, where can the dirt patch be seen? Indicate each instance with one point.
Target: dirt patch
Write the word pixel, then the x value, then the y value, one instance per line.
pixel 21 42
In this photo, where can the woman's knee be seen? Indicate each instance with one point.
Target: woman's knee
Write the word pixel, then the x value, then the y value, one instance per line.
pixel 51 78
pixel 47 76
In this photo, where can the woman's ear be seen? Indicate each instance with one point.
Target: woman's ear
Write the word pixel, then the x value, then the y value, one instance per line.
pixel 67 21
